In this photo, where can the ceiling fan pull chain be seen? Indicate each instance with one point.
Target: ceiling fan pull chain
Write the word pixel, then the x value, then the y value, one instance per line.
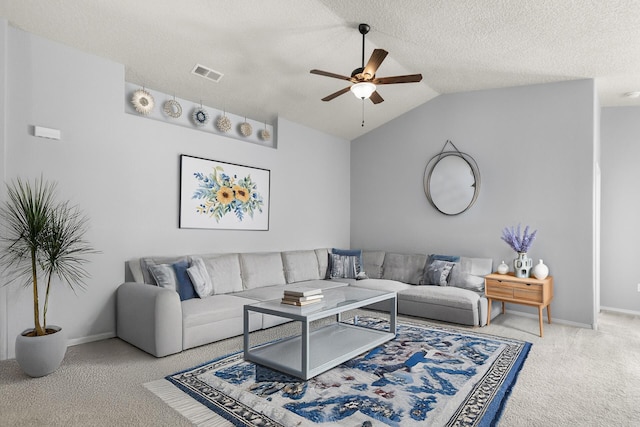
pixel 362 112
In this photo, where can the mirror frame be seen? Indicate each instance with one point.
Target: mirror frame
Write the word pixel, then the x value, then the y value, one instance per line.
pixel 428 171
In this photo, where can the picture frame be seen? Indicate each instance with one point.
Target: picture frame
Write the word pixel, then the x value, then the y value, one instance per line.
pixel 221 195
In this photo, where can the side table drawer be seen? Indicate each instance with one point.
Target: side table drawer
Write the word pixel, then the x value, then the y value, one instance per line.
pixel 527 292
pixel 495 288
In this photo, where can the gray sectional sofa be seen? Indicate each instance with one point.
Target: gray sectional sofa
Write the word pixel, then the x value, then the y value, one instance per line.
pixel 158 312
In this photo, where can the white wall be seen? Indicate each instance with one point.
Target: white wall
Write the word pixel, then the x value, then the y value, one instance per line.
pixel 3 86
pixel 123 172
pixel 621 208
pixel 534 147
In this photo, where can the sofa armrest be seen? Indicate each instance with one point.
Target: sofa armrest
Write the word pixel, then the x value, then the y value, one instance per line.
pixel 150 318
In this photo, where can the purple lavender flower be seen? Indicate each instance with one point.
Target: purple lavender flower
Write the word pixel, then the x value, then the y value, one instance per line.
pixel 519 242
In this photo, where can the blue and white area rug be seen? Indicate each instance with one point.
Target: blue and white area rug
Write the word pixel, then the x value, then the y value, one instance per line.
pixel 426 376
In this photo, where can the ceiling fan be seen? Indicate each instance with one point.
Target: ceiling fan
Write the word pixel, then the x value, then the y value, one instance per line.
pixel 364 78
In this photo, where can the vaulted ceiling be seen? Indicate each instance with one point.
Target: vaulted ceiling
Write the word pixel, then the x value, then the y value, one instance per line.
pixel 266 48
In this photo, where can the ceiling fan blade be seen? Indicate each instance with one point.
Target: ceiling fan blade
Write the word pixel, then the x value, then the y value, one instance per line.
pixel 336 94
pixel 376 59
pixel 328 74
pixel 376 98
pixel 410 78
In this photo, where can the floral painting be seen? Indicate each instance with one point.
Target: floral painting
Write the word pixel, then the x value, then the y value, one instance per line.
pixel 223 195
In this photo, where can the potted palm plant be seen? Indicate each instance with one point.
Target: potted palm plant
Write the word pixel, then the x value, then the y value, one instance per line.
pixel 42 239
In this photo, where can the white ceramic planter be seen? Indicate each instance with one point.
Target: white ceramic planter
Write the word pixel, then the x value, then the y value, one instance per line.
pixel 40 356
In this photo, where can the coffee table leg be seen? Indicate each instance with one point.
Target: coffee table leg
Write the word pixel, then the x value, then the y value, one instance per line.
pixel 305 349
pixel 393 314
pixel 246 332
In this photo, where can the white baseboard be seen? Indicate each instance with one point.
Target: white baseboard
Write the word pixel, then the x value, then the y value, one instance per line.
pixel 620 310
pixel 554 320
pixel 90 338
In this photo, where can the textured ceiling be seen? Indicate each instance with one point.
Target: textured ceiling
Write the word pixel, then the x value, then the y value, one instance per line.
pixel 266 48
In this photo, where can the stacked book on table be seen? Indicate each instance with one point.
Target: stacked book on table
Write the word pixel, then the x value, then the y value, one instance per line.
pixel 302 296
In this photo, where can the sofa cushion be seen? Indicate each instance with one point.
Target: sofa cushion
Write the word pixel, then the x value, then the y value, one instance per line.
pixel 439 295
pixel 300 266
pixel 212 309
pixel 224 272
pixel 407 268
pixel 437 273
pixel 323 262
pixel 382 285
pixel 261 269
pixel 372 262
pixel 264 293
pixel 136 270
pixel 469 273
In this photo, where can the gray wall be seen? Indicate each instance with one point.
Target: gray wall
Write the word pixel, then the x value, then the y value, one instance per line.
pixel 621 208
pixel 123 172
pixel 535 150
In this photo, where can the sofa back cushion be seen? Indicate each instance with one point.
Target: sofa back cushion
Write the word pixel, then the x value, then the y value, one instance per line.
pixel 469 273
pixel 323 262
pixel 373 262
pixel 300 266
pixel 224 272
pixel 261 269
pixel 407 268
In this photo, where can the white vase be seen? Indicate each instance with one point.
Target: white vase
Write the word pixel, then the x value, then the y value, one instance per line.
pixel 540 271
pixel 503 268
pixel 522 265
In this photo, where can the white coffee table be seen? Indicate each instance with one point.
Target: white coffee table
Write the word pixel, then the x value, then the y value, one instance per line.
pixel 314 352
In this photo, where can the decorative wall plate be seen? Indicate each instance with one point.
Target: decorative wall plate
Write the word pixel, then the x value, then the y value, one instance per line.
pixel 265 135
pixel 200 116
pixel 223 124
pixel 246 129
pixel 172 108
pixel 142 101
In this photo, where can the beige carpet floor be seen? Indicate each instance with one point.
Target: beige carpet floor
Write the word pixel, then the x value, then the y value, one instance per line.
pixel 572 377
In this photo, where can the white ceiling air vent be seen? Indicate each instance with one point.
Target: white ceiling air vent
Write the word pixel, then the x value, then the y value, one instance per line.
pixel 207 73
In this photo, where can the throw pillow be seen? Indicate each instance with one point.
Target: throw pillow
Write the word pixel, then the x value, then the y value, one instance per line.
pixel 437 257
pixel 343 266
pixel 202 284
pixel 350 252
pixel 164 275
pixel 437 273
pixel 185 287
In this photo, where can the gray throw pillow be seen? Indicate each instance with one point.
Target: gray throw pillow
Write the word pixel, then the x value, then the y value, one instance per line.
pixel 437 273
pixel 344 266
pixel 202 284
pixel 164 275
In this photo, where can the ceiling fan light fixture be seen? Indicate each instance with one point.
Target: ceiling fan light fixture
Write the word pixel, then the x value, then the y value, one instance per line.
pixel 363 90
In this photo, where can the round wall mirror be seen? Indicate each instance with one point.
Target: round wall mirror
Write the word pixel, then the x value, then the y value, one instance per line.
pixel 452 182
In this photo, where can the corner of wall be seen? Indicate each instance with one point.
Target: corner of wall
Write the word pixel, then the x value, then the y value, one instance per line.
pixel 4 340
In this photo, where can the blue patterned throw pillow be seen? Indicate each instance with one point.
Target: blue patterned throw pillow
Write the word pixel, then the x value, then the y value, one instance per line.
pixel 437 273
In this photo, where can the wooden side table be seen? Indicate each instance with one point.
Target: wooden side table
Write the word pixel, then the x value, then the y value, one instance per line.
pixel 527 291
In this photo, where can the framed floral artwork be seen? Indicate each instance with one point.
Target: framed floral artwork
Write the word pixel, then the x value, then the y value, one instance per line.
pixel 221 195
